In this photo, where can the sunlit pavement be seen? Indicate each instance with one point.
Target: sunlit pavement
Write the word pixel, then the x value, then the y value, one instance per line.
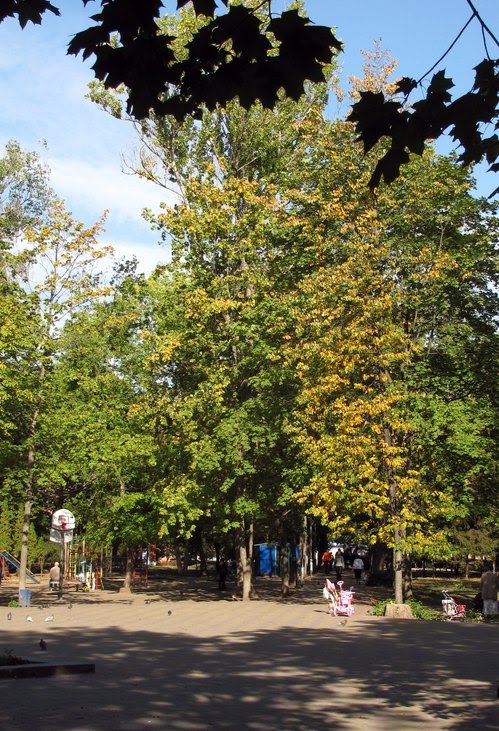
pixel 193 658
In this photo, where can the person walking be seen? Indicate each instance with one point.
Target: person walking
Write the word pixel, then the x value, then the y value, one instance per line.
pixel 326 561
pixel 358 568
pixel 222 575
pixel 339 564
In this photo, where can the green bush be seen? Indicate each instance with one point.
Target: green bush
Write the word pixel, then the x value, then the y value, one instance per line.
pixel 379 608
pixel 473 615
pixel 420 611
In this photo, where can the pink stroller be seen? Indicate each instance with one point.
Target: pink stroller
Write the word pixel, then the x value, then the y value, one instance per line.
pixel 340 599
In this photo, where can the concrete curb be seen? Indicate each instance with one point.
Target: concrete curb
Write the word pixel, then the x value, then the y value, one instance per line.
pixel 44 670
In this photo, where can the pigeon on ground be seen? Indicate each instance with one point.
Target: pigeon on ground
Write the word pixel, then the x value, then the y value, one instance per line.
pixel 169 612
pixel 343 622
pixel 70 606
pixel 28 619
pixel 43 645
pixel 50 618
pixel 9 616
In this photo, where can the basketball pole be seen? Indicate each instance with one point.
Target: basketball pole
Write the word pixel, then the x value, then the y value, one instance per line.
pixel 62 531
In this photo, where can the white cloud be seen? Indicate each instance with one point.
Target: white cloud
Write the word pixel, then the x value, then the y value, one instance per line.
pixel 99 185
pixel 147 255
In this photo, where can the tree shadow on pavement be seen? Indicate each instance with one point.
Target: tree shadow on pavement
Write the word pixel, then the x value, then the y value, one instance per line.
pixel 372 675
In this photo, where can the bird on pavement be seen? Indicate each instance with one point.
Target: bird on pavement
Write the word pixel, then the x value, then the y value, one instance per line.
pixel 343 622
pixel 43 645
pixel 28 619
pixel 9 616
pixel 50 618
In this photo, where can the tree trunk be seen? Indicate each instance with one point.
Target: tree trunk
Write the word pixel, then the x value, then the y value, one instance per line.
pixel 407 583
pixel 304 554
pixel 245 544
pixel 398 559
pixel 284 571
pixel 284 561
pixel 30 463
pixel 378 557
pixel 398 575
pixel 128 568
pixel 23 560
pixel 181 559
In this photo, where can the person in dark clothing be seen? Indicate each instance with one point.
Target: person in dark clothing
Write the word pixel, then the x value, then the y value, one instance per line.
pixel 222 574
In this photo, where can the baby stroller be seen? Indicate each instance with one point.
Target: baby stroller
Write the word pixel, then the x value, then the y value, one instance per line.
pixel 451 609
pixel 340 599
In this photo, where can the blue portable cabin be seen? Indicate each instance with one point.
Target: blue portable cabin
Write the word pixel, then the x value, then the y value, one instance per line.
pixel 266 559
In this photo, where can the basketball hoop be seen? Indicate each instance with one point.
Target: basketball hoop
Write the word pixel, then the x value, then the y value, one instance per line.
pixel 63 520
pixel 63 523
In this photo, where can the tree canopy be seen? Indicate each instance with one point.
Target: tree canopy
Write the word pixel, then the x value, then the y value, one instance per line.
pixel 244 50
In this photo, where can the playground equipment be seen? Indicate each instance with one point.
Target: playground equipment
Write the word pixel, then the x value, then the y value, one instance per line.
pixel 143 557
pixel 7 559
pixel 84 568
pixel 340 599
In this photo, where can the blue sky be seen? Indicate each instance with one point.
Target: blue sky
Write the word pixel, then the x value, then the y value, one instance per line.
pixel 43 105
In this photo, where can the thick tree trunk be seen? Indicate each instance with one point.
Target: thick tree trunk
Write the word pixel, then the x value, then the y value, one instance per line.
pixel 398 575
pixel 407 581
pixel 378 557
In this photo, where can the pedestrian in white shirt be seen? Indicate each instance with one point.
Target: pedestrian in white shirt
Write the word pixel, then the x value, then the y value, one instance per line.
pixel 358 568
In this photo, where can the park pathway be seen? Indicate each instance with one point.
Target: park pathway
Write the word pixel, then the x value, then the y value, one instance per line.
pixel 191 659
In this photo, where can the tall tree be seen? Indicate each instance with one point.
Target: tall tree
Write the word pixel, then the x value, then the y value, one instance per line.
pixel 24 191
pixel 219 313
pixel 105 459
pixel 51 278
pixel 398 277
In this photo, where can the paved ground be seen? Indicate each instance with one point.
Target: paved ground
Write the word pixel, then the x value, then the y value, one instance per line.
pixel 187 659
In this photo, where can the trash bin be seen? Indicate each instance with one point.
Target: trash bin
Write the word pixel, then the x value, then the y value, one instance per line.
pixel 24 597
